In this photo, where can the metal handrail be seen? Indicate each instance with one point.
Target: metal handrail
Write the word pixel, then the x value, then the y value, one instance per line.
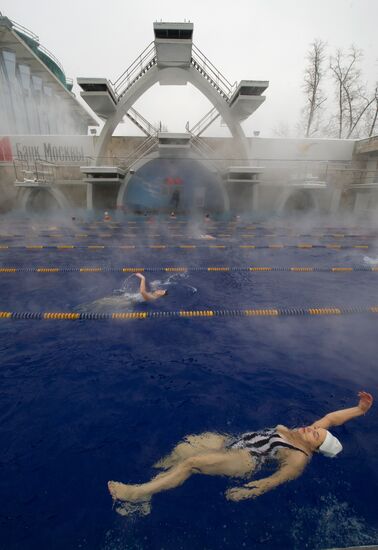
pixel 24 30
pixel 214 74
pixel 125 162
pixel 203 145
pixel 148 127
pixel 146 145
pixel 149 144
pixel 138 64
pixel 196 146
pixel 34 37
pixel 204 123
pixel 214 68
pixel 208 153
pixel 37 169
pixel 51 56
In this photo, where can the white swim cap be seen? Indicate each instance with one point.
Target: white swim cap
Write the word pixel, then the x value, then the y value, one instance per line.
pixel 331 446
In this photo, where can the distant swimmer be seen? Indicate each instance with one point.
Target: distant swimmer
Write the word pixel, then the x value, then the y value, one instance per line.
pixel 241 456
pixel 107 217
pixel 149 296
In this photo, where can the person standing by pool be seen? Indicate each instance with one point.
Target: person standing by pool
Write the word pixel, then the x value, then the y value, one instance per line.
pixel 149 296
pixel 241 456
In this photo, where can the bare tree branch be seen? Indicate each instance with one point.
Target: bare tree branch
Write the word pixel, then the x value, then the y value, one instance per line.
pixel 353 101
pixel 374 119
pixel 313 77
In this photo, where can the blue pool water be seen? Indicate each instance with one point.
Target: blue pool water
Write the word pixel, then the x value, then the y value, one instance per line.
pixel 83 402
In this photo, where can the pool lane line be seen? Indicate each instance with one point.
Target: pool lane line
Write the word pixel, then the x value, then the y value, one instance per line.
pixel 118 236
pixel 180 269
pixel 181 246
pixel 188 314
pixel 171 223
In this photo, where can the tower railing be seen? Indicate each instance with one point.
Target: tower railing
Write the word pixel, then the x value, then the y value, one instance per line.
pixel 206 152
pixel 144 148
pixel 197 146
pixel 37 172
pixel 204 123
pixel 213 75
pixel 145 61
pixel 142 123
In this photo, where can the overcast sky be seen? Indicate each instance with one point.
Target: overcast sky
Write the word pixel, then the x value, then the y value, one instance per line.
pixel 245 39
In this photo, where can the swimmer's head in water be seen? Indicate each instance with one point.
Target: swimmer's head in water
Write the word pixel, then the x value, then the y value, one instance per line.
pixel 312 437
pixel 161 293
pixel 331 446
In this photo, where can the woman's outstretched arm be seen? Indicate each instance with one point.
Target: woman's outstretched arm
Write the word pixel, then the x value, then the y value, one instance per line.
pixel 292 468
pixel 337 418
pixel 142 289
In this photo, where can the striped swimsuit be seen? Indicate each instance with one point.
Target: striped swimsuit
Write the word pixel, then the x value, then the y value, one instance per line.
pixel 262 445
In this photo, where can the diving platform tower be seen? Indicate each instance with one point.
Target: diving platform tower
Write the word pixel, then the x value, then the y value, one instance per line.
pixel 172 59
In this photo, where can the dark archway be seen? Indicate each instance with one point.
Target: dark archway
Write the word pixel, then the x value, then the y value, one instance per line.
pixel 301 201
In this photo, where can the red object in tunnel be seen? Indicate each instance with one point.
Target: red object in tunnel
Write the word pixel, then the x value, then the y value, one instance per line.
pixel 173 181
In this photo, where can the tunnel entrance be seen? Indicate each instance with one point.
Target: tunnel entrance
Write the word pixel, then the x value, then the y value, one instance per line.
pixel 301 202
pixel 183 186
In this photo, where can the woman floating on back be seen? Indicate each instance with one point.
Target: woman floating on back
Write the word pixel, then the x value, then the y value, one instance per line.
pixel 244 455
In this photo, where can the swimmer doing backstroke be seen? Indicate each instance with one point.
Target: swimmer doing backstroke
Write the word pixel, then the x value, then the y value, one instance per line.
pixel 149 296
pixel 243 455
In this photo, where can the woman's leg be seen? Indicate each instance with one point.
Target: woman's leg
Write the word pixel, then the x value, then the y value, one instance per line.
pixel 234 463
pixel 191 446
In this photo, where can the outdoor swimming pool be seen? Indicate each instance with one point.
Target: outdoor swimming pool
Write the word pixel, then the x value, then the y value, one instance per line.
pixel 85 401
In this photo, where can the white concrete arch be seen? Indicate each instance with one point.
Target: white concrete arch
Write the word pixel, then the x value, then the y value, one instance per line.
pixel 154 156
pixel 57 195
pixel 151 77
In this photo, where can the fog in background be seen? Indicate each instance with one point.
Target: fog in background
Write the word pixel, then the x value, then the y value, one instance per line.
pixel 246 39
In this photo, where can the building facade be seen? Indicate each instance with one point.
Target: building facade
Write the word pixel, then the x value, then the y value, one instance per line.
pixel 35 94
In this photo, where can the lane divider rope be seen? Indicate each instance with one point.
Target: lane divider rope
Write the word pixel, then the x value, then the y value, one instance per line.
pixel 189 314
pixel 186 236
pixel 95 269
pixel 181 246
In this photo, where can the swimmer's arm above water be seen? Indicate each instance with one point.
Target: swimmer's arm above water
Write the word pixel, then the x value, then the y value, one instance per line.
pixel 142 289
pixel 290 469
pixel 337 418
